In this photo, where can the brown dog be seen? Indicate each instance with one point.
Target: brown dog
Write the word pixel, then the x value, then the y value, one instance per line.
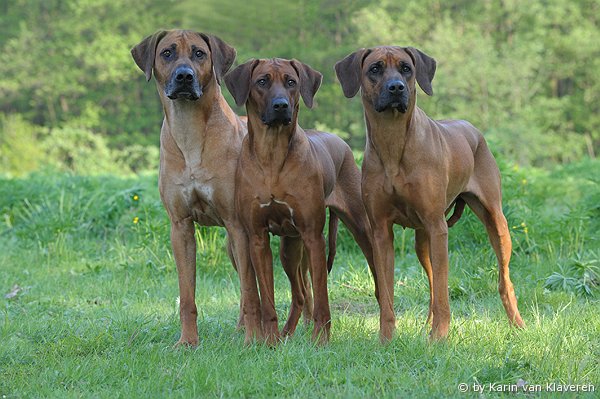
pixel 285 179
pixel 414 171
pixel 199 146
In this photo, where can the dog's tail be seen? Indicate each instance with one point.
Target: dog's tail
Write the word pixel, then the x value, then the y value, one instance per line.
pixel 332 239
pixel 459 207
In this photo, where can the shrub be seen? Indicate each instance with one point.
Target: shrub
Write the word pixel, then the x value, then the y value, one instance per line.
pixel 81 151
pixel 20 150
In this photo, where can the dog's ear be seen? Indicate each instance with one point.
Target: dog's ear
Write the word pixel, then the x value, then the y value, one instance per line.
pixel 143 54
pixel 349 70
pixel 222 55
pixel 238 81
pixel 425 69
pixel 310 81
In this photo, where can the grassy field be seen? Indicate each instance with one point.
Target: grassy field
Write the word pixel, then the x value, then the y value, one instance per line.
pixel 89 302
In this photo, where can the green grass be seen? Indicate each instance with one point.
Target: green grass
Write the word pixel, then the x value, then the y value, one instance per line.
pixel 95 313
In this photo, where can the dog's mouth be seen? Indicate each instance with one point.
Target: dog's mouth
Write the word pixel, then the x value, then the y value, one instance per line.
pixel 276 121
pixel 190 94
pixel 396 104
pixel 401 107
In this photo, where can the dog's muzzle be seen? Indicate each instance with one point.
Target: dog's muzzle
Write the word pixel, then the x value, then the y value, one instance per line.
pixel 393 96
pixel 278 112
pixel 183 84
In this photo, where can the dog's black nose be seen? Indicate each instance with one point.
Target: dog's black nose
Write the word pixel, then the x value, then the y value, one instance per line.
pixel 280 104
pixel 183 84
pixel 184 74
pixel 395 86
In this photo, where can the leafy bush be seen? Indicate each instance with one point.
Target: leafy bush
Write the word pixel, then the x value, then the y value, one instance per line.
pixel 20 151
pixel 139 158
pixel 81 151
pixel 26 148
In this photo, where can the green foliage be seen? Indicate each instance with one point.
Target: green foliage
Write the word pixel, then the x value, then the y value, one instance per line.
pixel 19 149
pixel 138 158
pixel 82 69
pixel 80 150
pixel 523 72
pixel 26 148
pixel 581 276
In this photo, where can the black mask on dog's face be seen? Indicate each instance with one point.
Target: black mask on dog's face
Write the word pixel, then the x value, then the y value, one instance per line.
pixel 272 88
pixel 183 62
pixel 387 76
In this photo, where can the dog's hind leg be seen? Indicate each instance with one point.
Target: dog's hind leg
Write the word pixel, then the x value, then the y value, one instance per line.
pixel 485 199
pixel 497 230
pixel 348 205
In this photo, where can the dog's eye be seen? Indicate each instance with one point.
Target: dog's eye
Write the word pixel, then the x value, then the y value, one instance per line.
pixel 375 69
pixel 199 53
pixel 405 69
pixel 261 82
pixel 166 53
pixel 291 83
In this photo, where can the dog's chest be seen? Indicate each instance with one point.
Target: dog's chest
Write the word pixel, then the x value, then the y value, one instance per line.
pixel 195 194
pixel 278 215
pixel 405 215
pixel 200 196
pixel 399 188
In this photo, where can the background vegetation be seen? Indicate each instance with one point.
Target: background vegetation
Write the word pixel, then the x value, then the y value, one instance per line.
pixel 525 73
pixel 88 287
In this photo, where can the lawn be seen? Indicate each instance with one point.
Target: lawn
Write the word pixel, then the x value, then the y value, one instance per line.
pixel 89 302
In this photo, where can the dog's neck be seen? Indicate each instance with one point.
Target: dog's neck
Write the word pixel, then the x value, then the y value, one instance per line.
pixel 388 132
pixel 188 121
pixel 270 145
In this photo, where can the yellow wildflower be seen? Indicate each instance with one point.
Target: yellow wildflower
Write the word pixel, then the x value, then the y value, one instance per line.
pixel 136 220
pixel 135 197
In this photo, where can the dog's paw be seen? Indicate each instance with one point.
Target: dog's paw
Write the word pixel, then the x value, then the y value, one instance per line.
pixel 186 343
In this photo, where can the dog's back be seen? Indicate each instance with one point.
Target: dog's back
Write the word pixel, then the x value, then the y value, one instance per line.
pixel 328 146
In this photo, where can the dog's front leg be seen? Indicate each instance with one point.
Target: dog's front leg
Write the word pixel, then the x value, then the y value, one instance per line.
pixel 437 232
pixel 422 249
pixel 184 250
pixel 291 260
pixel 262 261
pixel 383 257
pixel 232 258
pixel 379 211
pixel 250 302
pixel 315 247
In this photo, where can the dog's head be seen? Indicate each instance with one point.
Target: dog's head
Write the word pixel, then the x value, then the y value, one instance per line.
pixel 387 76
pixel 271 88
pixel 184 62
